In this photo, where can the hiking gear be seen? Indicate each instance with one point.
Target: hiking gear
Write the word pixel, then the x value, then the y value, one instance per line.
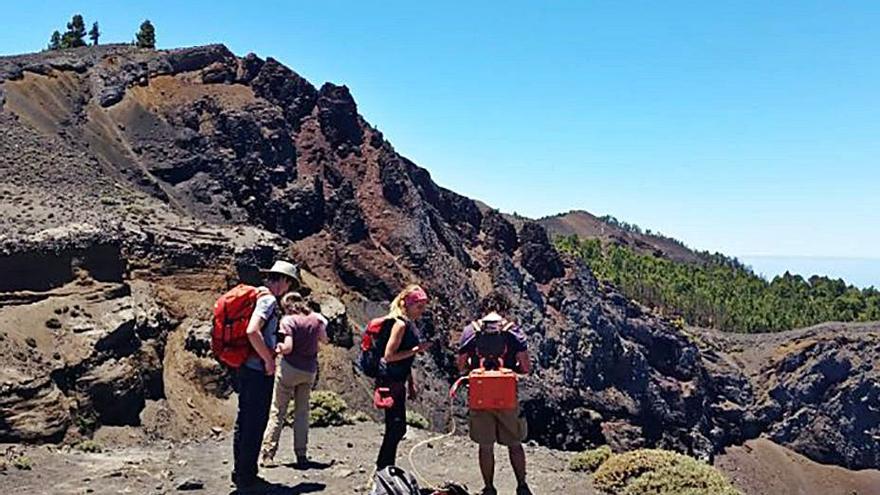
pixel 373 345
pixel 523 490
pixel 450 488
pixel 284 268
pixel 232 314
pixel 491 339
pixel 489 490
pixel 492 390
pixel 416 296
pixel 382 398
pixel 395 481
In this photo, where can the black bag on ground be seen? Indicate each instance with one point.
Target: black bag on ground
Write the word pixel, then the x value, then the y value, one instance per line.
pixel 395 481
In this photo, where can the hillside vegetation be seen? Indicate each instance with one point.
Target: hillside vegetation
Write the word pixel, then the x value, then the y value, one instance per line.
pixel 723 293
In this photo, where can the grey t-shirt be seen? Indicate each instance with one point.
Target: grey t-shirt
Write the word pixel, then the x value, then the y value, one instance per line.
pixel 267 309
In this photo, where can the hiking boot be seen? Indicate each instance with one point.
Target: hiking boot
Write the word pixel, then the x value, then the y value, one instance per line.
pixel 523 490
pixel 268 462
pixel 255 485
pixel 302 462
pixel 489 490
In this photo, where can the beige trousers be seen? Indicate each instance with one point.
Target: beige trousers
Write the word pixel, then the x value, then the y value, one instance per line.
pixel 296 384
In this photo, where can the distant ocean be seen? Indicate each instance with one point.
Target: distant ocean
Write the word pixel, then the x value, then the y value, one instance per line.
pixel 861 272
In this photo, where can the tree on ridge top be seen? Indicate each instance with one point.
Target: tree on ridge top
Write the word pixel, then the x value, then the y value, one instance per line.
pixel 146 37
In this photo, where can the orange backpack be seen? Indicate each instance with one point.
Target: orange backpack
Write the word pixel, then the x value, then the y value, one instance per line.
pixel 232 313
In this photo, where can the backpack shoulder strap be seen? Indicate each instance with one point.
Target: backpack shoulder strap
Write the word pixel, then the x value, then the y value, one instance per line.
pixel 478 325
pixel 507 326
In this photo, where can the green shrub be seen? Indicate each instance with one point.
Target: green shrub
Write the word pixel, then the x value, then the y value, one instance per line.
pixel 23 463
pixel 86 423
pixel 660 472
pixel 359 417
pixel 590 460
pixel 90 446
pixel 328 409
pixel 416 420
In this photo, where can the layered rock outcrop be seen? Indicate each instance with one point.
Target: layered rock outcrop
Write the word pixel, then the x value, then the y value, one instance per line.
pixel 207 165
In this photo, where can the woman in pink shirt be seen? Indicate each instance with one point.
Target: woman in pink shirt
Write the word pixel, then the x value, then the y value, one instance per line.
pixel 302 330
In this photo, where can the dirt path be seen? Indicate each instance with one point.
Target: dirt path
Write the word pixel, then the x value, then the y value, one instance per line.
pixel 349 450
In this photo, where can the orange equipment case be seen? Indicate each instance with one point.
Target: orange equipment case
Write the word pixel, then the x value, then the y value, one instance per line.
pixel 492 389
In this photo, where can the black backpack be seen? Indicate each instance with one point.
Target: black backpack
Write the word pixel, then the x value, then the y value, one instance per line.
pixel 395 481
pixel 491 343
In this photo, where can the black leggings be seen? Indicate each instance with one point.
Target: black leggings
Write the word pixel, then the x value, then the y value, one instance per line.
pixel 395 426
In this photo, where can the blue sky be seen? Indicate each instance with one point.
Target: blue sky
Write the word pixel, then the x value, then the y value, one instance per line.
pixel 747 127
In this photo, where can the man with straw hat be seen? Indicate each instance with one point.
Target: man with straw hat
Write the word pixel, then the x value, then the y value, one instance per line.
pixel 255 379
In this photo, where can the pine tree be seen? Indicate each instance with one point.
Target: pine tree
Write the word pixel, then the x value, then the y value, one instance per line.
pixel 76 32
pixel 146 37
pixel 94 34
pixel 55 41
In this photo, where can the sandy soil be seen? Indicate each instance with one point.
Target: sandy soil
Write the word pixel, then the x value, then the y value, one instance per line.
pixel 348 452
pixel 761 467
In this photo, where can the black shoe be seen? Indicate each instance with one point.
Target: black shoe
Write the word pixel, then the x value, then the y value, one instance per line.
pixel 253 485
pixel 523 490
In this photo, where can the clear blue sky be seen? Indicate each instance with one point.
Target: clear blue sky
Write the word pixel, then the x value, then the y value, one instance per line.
pixel 748 127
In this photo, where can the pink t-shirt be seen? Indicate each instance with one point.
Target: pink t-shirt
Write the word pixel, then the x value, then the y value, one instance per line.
pixel 307 331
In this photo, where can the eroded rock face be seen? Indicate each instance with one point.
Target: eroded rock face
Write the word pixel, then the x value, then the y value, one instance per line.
pixel 249 143
pixel 821 399
pixel 33 411
pixel 538 256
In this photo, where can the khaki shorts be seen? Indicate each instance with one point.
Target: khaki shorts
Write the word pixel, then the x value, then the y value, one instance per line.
pixel 507 428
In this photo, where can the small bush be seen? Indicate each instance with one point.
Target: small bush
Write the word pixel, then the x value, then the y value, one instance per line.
pixel 416 420
pixel 86 423
pixel 660 472
pixel 90 446
pixel 23 463
pixel 590 460
pixel 328 409
pixel 359 417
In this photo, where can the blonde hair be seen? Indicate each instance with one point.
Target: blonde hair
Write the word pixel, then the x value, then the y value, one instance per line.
pixel 294 303
pixel 398 305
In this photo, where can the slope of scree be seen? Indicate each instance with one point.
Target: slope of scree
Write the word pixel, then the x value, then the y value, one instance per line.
pixel 186 139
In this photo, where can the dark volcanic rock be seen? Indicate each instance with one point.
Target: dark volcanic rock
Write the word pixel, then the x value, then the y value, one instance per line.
pixel 539 257
pixel 287 89
pixel 205 139
pixel 822 399
pixel 337 113
pixel 500 234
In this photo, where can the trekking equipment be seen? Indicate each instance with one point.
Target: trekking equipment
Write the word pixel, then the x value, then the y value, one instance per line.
pixel 382 398
pixel 491 386
pixel 373 345
pixel 232 313
pixel 489 390
pixel 394 481
pixel 492 389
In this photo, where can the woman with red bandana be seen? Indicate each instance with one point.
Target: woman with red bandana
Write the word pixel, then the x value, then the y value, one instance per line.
pixel 400 352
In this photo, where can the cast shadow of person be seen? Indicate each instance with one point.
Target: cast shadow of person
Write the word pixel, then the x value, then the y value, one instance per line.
pixel 279 489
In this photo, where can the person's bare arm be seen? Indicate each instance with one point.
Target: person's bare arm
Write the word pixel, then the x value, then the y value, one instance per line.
pixel 462 362
pixel 285 347
pixel 524 361
pixel 393 352
pixel 322 335
pixel 255 337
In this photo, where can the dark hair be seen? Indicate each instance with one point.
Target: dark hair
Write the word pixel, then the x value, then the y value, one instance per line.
pixel 276 277
pixel 495 301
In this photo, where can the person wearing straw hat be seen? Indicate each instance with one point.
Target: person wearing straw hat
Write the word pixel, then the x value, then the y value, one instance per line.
pixel 255 379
